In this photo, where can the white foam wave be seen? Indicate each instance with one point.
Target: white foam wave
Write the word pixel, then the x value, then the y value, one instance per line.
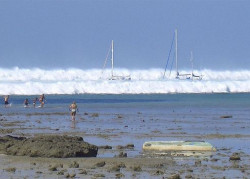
pixel 71 81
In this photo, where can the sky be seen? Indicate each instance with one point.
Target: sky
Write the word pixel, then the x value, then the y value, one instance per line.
pixel 54 34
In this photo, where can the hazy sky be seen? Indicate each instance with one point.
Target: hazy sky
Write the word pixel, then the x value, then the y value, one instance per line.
pixel 77 33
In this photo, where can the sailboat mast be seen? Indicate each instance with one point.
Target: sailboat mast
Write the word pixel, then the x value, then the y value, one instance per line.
pixel 112 57
pixel 176 53
pixel 191 59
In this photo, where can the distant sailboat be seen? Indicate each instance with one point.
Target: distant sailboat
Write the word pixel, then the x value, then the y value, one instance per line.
pixel 114 77
pixel 193 76
pixel 178 75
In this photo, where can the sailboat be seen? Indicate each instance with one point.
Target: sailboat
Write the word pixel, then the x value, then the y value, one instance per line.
pixel 193 76
pixel 114 77
pixel 178 75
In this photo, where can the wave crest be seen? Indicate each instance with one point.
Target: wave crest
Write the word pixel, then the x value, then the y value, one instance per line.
pixel 73 81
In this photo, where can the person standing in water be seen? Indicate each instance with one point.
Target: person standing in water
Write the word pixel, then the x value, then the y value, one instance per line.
pixel 26 102
pixel 6 100
pixel 34 102
pixel 42 100
pixel 73 108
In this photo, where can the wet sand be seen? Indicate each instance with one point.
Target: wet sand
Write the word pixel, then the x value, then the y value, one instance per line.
pixel 116 130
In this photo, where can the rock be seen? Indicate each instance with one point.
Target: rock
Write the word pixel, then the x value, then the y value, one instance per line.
pixel 10 169
pixel 188 176
pixel 235 156
pixel 74 165
pixel 137 168
pixel 214 160
pixel 159 172
pixel 174 176
pixel 54 146
pixel 119 175
pixel 159 165
pixel 72 175
pixel 122 165
pixel 95 115
pixel 122 155
pixel 119 147
pixel 128 146
pixel 83 172
pixel 226 116
pixel 198 162
pixel 105 147
pixel 60 172
pixel 99 175
pixel 100 164
pixel 6 131
pixel 115 168
pixel 52 168
pixel 67 175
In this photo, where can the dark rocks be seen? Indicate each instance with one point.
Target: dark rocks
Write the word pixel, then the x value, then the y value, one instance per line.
pixel 60 172
pixel 10 169
pixel 119 175
pixel 95 115
pixel 137 169
pixel 83 172
pixel 175 176
pixel 122 155
pixel 214 159
pixel 6 131
pixel 74 165
pixel 159 172
pixel 197 162
pixel 53 168
pixel 189 176
pixel 115 168
pixel 100 164
pixel 47 146
pixel 105 147
pixel 128 146
pixel 99 175
pixel 235 156
pixel 226 116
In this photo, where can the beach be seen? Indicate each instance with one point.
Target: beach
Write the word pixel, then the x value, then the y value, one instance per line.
pixel 120 124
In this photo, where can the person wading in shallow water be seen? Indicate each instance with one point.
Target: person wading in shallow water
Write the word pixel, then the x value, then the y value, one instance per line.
pixel 42 100
pixel 26 102
pixel 73 108
pixel 34 102
pixel 6 100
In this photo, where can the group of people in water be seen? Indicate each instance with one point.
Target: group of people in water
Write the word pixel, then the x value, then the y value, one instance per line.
pixel 73 107
pixel 26 102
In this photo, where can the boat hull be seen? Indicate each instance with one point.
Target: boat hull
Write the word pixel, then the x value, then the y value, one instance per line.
pixel 177 146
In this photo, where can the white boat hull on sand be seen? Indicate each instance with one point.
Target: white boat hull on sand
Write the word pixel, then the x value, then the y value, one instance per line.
pixel 177 146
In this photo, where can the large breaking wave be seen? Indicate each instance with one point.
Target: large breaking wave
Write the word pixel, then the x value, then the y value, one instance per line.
pixel 73 81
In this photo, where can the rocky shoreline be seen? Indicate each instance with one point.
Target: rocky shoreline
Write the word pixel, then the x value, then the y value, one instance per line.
pixel 52 146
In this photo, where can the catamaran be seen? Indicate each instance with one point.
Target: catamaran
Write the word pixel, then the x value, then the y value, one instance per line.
pixel 114 77
pixel 191 76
